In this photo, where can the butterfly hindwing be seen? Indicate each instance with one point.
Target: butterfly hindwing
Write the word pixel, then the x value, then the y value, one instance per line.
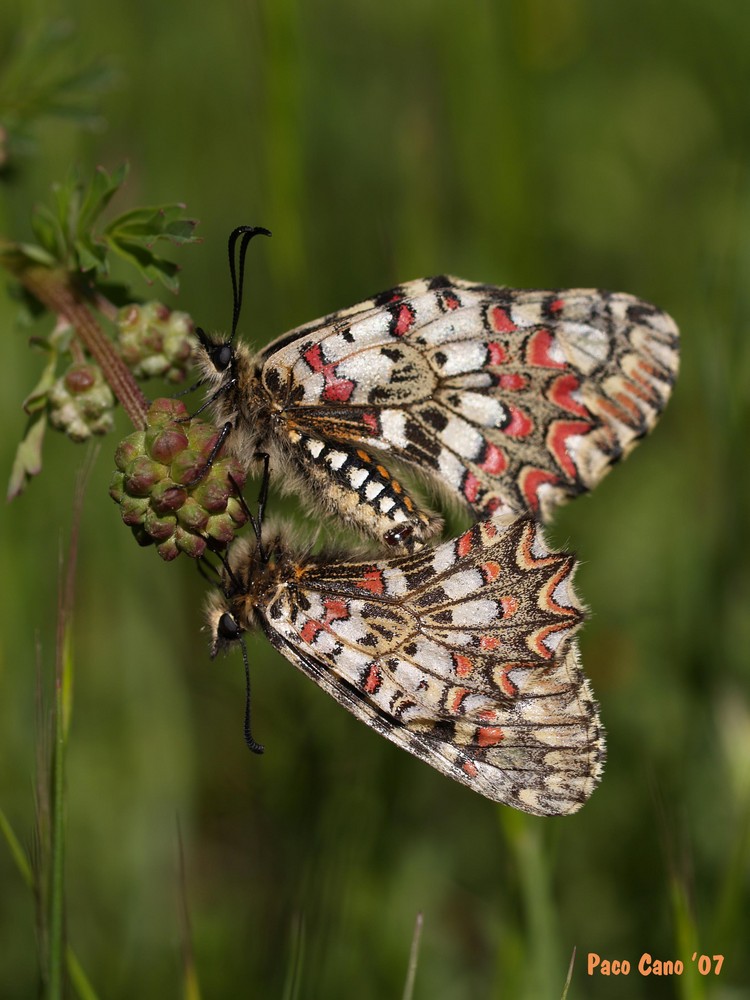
pixel 463 654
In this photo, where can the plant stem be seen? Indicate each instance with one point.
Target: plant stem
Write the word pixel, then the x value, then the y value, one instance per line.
pixel 56 290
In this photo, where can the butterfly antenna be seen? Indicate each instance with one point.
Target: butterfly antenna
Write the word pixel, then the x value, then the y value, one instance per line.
pixel 251 743
pixel 237 266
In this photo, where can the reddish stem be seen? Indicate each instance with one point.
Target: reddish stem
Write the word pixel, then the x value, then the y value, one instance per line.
pixel 55 290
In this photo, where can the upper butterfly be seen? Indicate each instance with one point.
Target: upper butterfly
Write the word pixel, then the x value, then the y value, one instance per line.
pixel 509 399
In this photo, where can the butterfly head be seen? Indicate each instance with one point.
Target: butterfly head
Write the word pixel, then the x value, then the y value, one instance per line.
pixel 221 354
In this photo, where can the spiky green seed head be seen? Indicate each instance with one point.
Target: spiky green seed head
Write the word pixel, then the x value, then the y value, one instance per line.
pixel 154 341
pixel 80 402
pixel 168 495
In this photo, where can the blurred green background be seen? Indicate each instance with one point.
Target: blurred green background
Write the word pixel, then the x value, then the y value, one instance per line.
pixel 528 142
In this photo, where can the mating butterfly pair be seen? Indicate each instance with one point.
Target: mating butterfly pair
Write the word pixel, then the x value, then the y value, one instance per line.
pixel 510 402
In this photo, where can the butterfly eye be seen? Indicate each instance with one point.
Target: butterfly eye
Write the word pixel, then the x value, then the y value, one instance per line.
pixel 228 628
pixel 223 357
pixel 398 535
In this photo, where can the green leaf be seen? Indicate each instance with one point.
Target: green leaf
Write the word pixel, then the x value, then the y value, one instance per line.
pixel 67 198
pixel 28 460
pixel 146 225
pixel 67 232
pixel 37 254
pixel 37 398
pixel 151 267
pixel 92 256
pixel 97 196
pixel 46 227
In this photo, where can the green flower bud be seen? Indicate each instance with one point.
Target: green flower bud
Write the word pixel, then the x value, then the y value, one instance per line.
pixel 167 493
pixel 154 341
pixel 81 403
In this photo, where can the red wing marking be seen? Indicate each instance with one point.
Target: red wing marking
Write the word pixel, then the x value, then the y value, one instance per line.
pixel 372 581
pixel 509 606
pixel 336 609
pixel 337 390
pixel 552 604
pixel 558 435
pixel 462 664
pixel 457 697
pixel 530 559
pixel 370 421
pixel 471 487
pixel 404 319
pixel 507 685
pixel 513 383
pixel 463 545
pixel 495 460
pixel 538 643
pixel 530 480
pixel 490 571
pixel 538 348
pixel 500 321
pixel 489 642
pixel 497 354
pixel 310 630
pixel 489 736
pixel 561 393
pixel 374 679
pixel 520 425
pixel 468 768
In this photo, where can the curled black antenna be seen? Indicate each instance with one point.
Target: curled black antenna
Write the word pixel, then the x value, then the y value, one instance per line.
pixel 251 743
pixel 237 267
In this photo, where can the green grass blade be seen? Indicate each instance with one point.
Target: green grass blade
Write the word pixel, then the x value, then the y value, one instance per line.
pixel 78 977
pixel 293 982
pixel 525 836
pixel 690 986
pixel 569 978
pixel 190 983
pixel 411 972
pixel 57 871
pixel 18 853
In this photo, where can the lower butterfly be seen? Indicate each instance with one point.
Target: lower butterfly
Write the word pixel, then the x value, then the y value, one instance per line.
pixel 463 654
pixel 504 399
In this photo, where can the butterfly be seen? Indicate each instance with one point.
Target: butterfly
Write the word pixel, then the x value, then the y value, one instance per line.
pixel 504 399
pixel 464 654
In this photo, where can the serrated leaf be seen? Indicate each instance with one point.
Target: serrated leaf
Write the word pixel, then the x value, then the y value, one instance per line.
pixel 67 199
pixel 146 225
pixel 92 256
pixel 47 229
pixel 152 268
pixel 28 460
pixel 98 194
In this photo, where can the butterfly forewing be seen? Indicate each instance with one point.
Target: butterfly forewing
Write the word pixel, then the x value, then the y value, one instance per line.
pixel 510 399
pixel 463 654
